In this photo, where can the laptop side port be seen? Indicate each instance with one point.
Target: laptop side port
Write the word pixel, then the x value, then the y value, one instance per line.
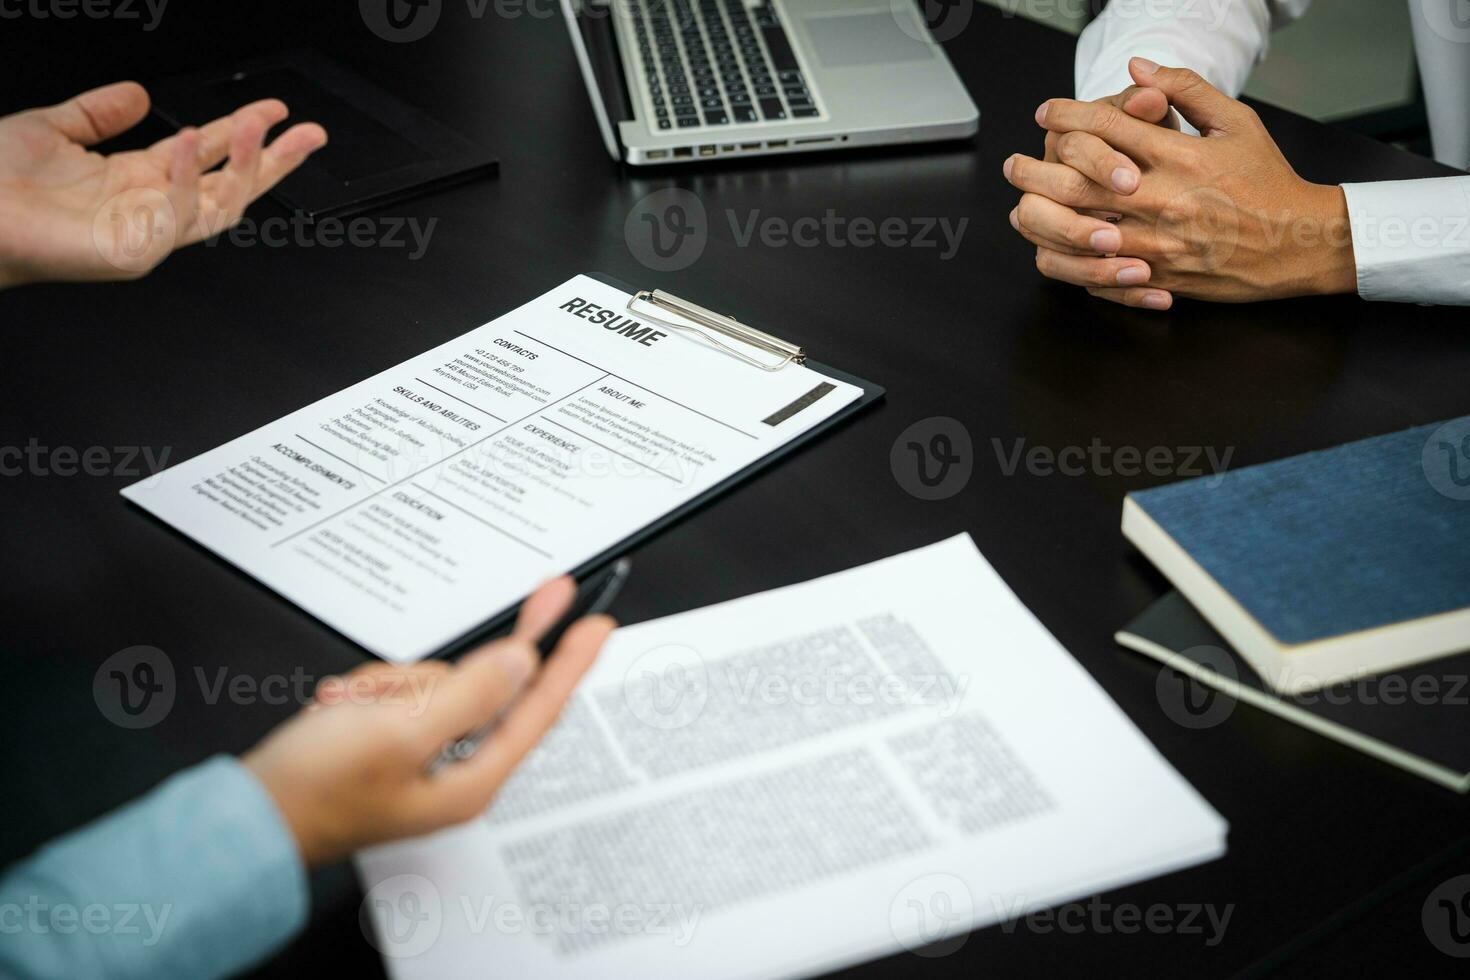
pixel 658 154
pixel 750 146
pixel 776 144
pixel 708 150
pixel 683 151
pixel 814 139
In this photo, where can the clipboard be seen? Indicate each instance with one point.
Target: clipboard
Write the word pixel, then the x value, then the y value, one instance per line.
pixel 691 323
pixel 722 332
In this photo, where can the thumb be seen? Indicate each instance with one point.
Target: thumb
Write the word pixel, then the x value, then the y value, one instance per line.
pixel 101 113
pixel 1200 103
pixel 1148 104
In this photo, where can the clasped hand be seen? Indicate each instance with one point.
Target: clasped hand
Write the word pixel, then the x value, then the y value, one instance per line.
pixel 1138 212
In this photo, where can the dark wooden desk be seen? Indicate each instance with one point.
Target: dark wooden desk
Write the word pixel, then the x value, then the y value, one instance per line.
pixel 222 339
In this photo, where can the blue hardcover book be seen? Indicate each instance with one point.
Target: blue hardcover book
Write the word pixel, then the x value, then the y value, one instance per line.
pixel 1326 566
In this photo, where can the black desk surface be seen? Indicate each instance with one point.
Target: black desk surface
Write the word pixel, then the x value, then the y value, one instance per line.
pixel 222 339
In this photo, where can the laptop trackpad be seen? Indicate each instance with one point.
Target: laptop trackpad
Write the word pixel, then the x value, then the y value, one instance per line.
pixel 851 40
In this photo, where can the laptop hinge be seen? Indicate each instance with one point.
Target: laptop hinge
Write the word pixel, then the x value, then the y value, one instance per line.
pixel 596 21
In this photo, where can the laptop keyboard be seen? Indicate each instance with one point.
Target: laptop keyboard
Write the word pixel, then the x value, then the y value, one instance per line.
pixel 717 63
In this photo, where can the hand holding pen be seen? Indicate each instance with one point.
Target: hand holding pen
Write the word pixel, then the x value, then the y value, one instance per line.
pixel 350 771
pixel 591 600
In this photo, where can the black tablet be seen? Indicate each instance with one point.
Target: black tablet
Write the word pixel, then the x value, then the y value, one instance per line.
pixel 380 149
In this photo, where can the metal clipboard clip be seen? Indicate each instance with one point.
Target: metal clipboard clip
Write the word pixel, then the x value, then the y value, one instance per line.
pixel 726 326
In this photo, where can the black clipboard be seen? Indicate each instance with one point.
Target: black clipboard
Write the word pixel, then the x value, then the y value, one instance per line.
pixel 500 622
pixel 870 393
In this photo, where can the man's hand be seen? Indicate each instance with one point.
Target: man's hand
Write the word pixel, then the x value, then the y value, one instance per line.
pixel 1148 104
pixel 67 213
pixel 349 771
pixel 1221 217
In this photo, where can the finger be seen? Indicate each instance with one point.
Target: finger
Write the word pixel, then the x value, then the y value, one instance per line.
pixel 1148 104
pixel 467 788
pixel 183 181
pixel 1202 105
pixel 1085 270
pixel 481 684
pixel 287 152
pixel 100 113
pixel 215 145
pixel 1048 223
pixel 1139 297
pixel 545 606
pixel 226 193
pixel 214 136
pixel 1062 184
pixel 1098 161
pixel 1042 242
pixel 1142 141
pixel 539 612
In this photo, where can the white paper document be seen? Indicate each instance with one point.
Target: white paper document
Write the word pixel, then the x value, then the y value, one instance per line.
pixel 795 781
pixel 412 507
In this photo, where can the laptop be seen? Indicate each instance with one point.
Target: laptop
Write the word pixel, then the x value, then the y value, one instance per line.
pixel 677 81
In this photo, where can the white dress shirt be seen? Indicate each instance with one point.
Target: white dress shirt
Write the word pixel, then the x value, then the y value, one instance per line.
pixel 1411 238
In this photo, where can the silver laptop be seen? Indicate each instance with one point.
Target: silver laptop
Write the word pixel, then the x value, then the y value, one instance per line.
pixel 683 80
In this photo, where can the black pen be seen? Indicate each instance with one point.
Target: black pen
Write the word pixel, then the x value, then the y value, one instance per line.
pixel 592 598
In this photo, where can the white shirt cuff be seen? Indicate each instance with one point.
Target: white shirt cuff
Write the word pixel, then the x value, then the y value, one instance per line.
pixel 1411 239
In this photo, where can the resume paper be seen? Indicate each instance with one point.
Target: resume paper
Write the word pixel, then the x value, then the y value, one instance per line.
pixel 411 508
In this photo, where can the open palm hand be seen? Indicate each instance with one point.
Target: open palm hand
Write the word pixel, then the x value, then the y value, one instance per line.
pixel 69 213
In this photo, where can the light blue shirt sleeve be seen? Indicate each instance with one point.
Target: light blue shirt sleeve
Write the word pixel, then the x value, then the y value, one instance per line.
pixel 199 878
